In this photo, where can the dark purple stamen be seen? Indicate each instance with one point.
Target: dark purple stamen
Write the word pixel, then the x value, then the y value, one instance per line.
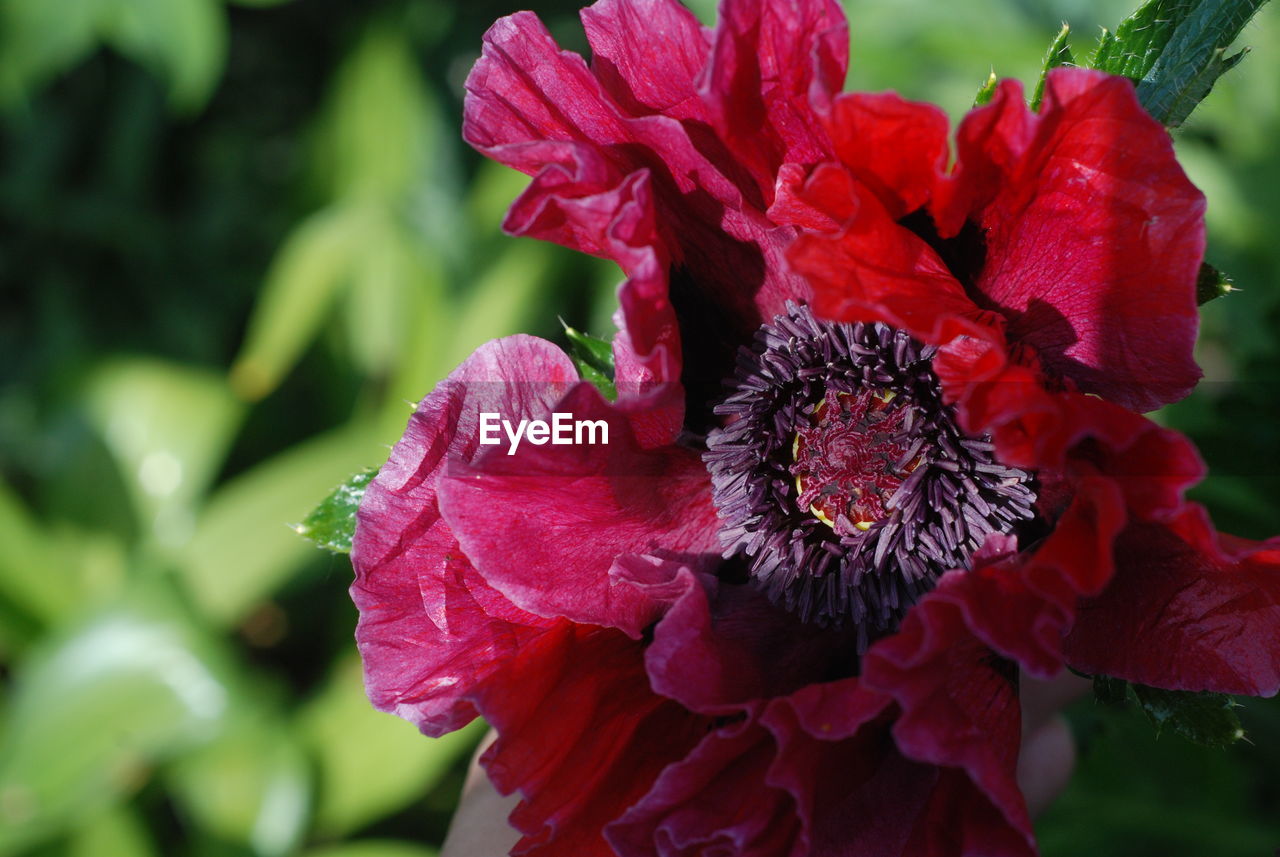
pixel 843 478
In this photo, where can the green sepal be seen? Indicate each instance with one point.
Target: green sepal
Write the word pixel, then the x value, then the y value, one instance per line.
pixel 332 524
pixel 1059 54
pixel 987 92
pixel 1204 718
pixel 594 359
pixel 1212 283
pixel 1175 50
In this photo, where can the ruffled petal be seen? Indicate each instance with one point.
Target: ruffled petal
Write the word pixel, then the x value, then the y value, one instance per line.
pixel 588 133
pixel 714 801
pixel 771 63
pixel 579 200
pixel 1183 613
pixel 430 628
pixel 580 736
pixel 1093 234
pixel 648 55
pixel 855 794
pixel 572 511
pixel 959 702
pixel 896 148
pixel 817 774
pixel 1022 605
pixel 872 269
pixel 722 650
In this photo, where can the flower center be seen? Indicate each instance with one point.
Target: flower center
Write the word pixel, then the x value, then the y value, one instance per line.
pixel 843 479
pixel 851 456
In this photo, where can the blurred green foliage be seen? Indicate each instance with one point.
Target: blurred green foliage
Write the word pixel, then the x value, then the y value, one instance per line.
pixel 236 241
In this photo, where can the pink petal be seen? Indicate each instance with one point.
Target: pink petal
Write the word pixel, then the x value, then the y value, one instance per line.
pixel 571 512
pixel 430 628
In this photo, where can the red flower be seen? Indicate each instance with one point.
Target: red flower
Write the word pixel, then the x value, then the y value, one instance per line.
pixel 663 155
pixel 1057 258
pixel 678 656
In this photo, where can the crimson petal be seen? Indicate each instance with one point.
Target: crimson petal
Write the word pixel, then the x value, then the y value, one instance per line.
pixel 1093 234
pixel 430 628
pixel 573 512
pixel 1185 614
pixel 580 736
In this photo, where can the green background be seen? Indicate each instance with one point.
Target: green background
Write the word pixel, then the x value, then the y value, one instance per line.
pixel 236 241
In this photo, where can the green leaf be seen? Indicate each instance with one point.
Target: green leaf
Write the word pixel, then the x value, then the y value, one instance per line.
pixel 1212 283
pixel 116 830
pixel 1110 691
pixel 332 524
pixel 316 261
pixel 1059 54
pixel 381 128
pixel 373 848
pixel 252 785
pixel 244 546
pixel 93 708
pixel 40 40
pixel 35 583
pixel 594 359
pixel 1172 100
pixel 1136 44
pixel 1175 50
pixel 987 92
pixel 168 426
pixel 183 41
pixel 508 293
pixel 1203 718
pixel 391 764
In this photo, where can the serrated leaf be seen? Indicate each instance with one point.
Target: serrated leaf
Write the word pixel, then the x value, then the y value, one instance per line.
pixel 1212 283
pixel 987 92
pixel 593 350
pixel 1175 50
pixel 332 524
pixel 1172 100
pixel 1203 718
pixel 1059 54
pixel 1136 44
pixel 594 359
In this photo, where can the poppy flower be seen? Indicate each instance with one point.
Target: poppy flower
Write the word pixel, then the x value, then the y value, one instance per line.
pixel 1053 266
pixel 785 616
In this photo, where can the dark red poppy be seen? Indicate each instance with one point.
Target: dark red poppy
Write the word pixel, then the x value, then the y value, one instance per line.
pixel 681 657
pixel 1054 266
